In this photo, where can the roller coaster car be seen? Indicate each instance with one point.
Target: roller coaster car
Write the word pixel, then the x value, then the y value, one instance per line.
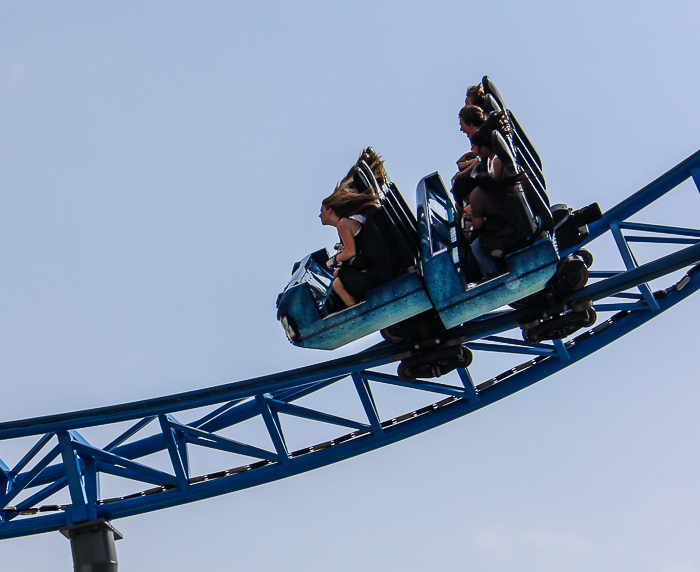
pixel 431 294
pixel 306 306
pixel 528 265
pixel 421 302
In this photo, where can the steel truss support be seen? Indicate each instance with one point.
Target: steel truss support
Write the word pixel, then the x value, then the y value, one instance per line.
pixel 65 467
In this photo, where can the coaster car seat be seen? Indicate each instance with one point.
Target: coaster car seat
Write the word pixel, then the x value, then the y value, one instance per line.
pixel 516 212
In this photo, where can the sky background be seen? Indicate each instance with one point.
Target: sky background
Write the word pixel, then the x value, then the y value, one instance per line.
pixel 162 166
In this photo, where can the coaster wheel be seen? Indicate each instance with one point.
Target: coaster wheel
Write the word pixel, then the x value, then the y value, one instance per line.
pixel 586 256
pixel 405 373
pixel 394 334
pixel 591 317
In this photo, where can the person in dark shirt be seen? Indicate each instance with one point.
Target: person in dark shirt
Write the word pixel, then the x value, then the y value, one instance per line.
pixel 343 209
pixel 471 118
pixel 486 214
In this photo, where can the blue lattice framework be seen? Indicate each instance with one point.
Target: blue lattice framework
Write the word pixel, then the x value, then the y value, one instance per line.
pixel 62 462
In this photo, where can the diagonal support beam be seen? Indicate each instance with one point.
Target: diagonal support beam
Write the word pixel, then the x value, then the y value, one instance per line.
pixel 27 478
pixel 370 407
pixel 133 469
pixel 206 439
pixel 31 454
pixel 44 493
pixel 5 478
pixel 631 264
pixel 274 429
pixel 178 458
pixel 468 383
pixel 71 466
pixel 36 498
pixel 429 386
pixel 562 352
pixel 695 173
pixel 130 432
pixel 306 413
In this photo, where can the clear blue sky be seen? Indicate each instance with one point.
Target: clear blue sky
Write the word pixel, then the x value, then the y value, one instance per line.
pixel 162 166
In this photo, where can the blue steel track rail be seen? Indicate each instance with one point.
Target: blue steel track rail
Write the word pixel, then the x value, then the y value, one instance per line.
pixel 63 462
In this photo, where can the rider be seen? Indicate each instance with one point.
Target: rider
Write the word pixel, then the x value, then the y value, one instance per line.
pixel 487 200
pixel 343 210
pixel 471 118
pixel 475 96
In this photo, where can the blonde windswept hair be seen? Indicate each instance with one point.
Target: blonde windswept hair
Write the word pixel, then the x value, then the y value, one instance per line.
pixel 374 161
pixel 346 199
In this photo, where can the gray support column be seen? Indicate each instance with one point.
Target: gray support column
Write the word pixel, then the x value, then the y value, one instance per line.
pixel 92 545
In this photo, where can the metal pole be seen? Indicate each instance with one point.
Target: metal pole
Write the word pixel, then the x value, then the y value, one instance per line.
pixel 92 545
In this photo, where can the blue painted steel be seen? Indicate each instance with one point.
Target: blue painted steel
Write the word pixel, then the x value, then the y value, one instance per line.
pixel 631 262
pixel 438 285
pixel 642 198
pixel 383 306
pixel 34 478
pixel 456 302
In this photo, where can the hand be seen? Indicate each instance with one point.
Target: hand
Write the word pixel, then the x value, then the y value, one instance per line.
pixel 468 156
pixel 459 175
pixel 467 222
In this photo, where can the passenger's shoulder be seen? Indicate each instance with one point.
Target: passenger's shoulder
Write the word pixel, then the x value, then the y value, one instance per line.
pixel 348 223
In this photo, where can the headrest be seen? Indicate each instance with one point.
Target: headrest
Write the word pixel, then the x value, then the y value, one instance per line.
pixel 361 180
pixel 523 137
pixel 490 88
pixel 479 168
pixel 368 174
pixel 502 151
pixel 490 104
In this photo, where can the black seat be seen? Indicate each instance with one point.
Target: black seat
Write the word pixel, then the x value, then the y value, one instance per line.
pixel 383 244
pixel 525 142
pixel 490 104
pixel 392 228
pixel 534 200
pixel 361 180
pixel 516 212
pixel 490 89
pixel 517 208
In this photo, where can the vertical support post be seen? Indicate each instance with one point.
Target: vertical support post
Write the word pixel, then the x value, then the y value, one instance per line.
pixel 92 545
pixel 92 486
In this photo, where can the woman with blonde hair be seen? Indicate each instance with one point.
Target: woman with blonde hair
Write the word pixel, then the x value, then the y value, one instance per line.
pixel 344 209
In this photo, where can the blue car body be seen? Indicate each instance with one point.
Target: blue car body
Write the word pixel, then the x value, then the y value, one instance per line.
pixel 435 283
pixel 302 306
pixel 456 302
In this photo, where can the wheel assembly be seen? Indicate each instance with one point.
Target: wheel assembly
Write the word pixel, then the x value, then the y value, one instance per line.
pixel 435 362
pixel 395 333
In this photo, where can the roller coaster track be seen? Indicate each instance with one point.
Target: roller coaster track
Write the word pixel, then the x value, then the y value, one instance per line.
pixel 57 482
